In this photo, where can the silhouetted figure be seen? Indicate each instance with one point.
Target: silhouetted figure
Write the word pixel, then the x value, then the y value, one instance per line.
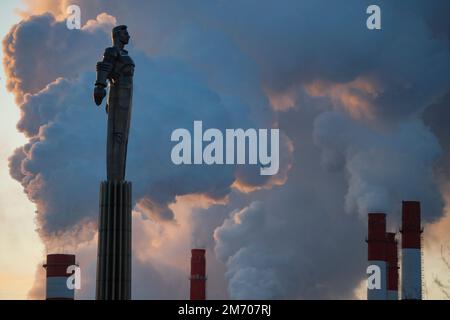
pixel 117 68
pixel 114 227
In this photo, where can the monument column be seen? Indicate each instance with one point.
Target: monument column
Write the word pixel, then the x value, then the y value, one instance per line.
pixel 114 242
pixel 114 226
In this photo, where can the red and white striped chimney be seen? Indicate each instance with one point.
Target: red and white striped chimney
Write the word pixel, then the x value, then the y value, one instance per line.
pixel 198 274
pixel 377 265
pixel 392 266
pixel 56 286
pixel 411 251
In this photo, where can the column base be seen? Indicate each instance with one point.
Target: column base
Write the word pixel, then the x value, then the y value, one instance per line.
pixel 114 242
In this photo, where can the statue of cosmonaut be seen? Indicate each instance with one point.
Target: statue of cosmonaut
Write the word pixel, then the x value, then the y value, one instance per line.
pixel 117 69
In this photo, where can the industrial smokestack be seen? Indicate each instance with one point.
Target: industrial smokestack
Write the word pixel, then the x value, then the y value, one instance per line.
pixel 377 269
pixel 198 274
pixel 56 267
pixel 411 251
pixel 392 266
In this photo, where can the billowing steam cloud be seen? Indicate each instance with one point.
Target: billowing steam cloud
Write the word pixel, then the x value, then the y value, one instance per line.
pixel 67 137
pixel 383 168
pixel 39 50
pixel 351 104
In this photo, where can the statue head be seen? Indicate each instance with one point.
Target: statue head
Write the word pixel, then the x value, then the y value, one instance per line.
pixel 120 35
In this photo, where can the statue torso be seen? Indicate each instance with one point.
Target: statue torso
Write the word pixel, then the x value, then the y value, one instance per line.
pixel 123 71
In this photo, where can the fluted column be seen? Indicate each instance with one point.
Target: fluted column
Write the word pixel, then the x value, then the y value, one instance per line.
pixel 114 242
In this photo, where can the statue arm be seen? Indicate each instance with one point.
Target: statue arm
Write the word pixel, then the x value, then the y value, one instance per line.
pixel 104 69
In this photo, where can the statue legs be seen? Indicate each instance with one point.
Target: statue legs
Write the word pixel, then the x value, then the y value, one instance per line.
pixel 119 115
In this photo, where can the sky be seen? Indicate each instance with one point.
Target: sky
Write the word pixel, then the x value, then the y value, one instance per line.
pixel 362 127
pixel 20 246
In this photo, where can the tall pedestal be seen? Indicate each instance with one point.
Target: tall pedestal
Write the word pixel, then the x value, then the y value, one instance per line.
pixel 114 242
